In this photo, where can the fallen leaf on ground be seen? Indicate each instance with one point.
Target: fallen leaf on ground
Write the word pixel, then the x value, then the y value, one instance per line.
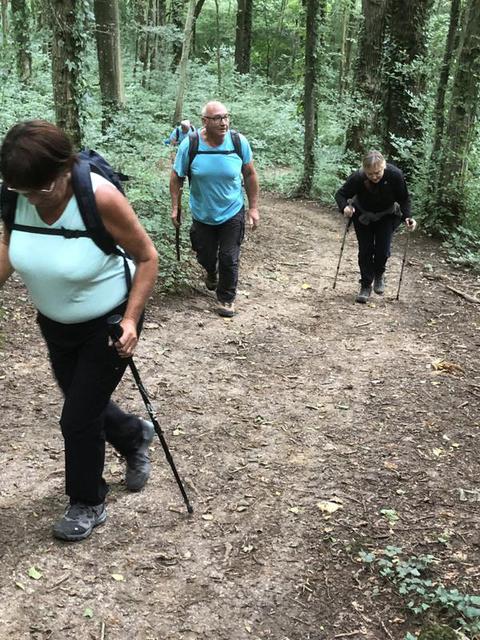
pixel 445 366
pixel 328 507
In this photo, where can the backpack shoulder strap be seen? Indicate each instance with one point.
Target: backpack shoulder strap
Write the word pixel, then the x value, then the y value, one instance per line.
pixel 8 204
pixel 82 188
pixel 193 143
pixel 237 143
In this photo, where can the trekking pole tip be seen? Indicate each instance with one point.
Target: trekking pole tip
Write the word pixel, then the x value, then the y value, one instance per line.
pixel 189 509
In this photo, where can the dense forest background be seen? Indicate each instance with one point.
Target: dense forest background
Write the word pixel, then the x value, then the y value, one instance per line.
pixel 312 85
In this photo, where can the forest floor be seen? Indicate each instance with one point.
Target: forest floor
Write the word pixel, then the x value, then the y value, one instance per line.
pixel 307 429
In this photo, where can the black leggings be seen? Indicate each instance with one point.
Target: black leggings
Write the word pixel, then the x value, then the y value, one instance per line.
pixel 374 243
pixel 88 370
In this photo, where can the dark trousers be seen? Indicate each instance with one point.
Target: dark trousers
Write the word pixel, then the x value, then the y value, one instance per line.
pixel 374 244
pixel 88 370
pixel 218 249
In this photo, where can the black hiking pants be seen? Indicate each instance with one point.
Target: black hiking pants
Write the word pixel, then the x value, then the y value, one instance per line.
pixel 374 244
pixel 88 370
pixel 218 249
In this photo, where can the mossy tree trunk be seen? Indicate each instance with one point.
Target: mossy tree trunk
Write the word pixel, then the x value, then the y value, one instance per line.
pixel 367 121
pixel 461 122
pixel 315 13
pixel 243 35
pixel 67 20
pixel 107 33
pixel 403 78
pixel 21 30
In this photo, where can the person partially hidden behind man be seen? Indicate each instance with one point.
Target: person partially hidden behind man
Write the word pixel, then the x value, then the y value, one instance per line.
pixel 216 199
pixel 377 199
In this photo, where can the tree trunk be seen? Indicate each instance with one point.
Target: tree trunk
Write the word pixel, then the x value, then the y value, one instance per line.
pixel 107 34
pixel 439 113
pixel 182 72
pixel 4 22
pixel 21 29
pixel 367 92
pixel 243 35
pixel 68 27
pixel 346 45
pixel 315 14
pixel 198 9
pixel 218 38
pixel 403 80
pixel 461 121
pixel 177 21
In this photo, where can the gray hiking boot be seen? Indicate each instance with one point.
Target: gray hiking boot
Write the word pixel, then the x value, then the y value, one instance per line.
pixel 138 462
pixel 226 309
pixel 363 294
pixel 379 285
pixel 79 520
pixel 211 281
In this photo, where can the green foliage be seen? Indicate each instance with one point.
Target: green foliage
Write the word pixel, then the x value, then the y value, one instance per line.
pixel 413 579
pixel 463 247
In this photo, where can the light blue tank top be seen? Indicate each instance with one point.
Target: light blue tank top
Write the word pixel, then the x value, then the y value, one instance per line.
pixel 69 280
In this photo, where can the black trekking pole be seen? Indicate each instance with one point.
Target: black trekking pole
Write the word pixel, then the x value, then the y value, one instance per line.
pixel 179 222
pixel 403 264
pixel 115 331
pixel 347 227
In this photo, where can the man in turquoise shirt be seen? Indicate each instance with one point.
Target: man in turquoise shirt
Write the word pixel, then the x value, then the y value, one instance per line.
pixel 180 132
pixel 216 200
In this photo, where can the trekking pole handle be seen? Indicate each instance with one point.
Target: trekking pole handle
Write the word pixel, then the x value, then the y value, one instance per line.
pixel 115 330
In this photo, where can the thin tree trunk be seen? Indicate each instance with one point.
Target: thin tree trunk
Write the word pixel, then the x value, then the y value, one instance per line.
pixel 107 34
pixel 67 54
pixel 219 61
pixel 198 9
pixel 461 121
pixel 182 72
pixel 21 29
pixel 243 36
pixel 315 13
pixel 177 21
pixel 4 22
pixel 345 46
pixel 439 112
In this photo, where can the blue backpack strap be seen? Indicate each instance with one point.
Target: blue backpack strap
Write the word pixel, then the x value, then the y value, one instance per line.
pixel 8 204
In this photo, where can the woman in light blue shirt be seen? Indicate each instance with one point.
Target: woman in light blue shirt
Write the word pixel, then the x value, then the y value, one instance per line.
pixel 75 286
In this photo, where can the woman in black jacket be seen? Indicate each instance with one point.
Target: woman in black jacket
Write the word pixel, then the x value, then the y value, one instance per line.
pixel 377 199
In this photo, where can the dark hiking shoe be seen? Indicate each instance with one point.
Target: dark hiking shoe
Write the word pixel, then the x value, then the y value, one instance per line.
pixel 138 462
pixel 211 281
pixel 379 285
pixel 363 294
pixel 226 309
pixel 79 521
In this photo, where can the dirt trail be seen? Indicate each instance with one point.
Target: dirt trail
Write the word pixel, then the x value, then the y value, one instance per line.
pixel 303 398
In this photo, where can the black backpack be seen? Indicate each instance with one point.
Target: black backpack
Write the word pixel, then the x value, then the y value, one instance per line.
pixel 194 142
pixel 88 161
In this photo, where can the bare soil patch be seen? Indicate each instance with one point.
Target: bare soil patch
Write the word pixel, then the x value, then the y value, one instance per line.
pixel 304 397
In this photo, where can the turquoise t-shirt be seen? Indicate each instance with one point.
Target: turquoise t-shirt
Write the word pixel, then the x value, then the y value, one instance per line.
pixel 69 280
pixel 216 193
pixel 181 134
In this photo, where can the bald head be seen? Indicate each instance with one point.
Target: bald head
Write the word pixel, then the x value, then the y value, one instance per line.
pixel 213 107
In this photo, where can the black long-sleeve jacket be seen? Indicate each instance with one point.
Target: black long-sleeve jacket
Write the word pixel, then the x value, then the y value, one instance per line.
pixel 376 197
